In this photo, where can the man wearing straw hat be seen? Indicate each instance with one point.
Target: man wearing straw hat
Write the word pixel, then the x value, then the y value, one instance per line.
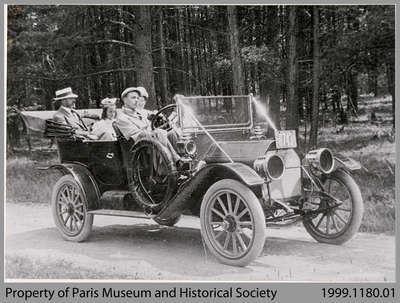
pixel 66 113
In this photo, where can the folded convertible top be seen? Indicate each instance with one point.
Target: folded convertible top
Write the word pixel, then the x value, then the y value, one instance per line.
pixel 35 121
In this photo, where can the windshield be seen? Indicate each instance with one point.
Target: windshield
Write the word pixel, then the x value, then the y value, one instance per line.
pixel 215 112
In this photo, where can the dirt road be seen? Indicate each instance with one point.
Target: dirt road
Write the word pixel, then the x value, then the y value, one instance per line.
pixel 143 248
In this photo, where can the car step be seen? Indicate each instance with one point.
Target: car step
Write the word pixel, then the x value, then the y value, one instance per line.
pixel 119 213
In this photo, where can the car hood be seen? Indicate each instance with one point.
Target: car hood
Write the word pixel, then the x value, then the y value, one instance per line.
pixel 240 151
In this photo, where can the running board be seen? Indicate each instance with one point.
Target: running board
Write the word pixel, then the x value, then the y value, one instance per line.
pixel 119 213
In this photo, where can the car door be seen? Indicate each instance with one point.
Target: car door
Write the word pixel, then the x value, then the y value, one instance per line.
pixel 105 162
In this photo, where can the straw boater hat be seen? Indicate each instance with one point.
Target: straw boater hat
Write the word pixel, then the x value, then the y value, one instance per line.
pixel 130 89
pixel 108 102
pixel 65 93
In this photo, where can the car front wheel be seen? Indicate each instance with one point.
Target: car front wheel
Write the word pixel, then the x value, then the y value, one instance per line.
pixel 69 209
pixel 337 224
pixel 232 223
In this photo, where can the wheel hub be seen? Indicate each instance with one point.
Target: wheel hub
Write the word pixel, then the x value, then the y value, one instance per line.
pixel 331 205
pixel 70 209
pixel 229 224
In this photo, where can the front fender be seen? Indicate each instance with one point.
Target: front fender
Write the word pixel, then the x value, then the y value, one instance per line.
pixel 347 163
pixel 85 180
pixel 240 172
pixel 190 194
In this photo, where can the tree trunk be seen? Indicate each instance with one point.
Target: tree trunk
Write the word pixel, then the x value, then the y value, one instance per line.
pixel 292 115
pixel 103 50
pixel 270 89
pixel 373 81
pixel 144 60
pixel 163 60
pixel 352 104
pixel 130 77
pixel 181 41
pixel 390 73
pixel 316 71
pixel 93 63
pixel 199 83
pixel 118 77
pixel 188 37
pixel 238 81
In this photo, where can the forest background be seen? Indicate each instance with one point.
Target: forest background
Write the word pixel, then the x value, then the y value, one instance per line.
pixel 299 60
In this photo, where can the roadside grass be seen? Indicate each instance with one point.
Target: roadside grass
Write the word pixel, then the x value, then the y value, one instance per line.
pixel 19 267
pixel 370 144
pixel 25 183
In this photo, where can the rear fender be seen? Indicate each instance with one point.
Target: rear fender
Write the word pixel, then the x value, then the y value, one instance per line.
pixel 84 179
pixel 190 194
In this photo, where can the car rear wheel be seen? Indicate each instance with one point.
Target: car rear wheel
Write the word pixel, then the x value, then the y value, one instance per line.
pixel 338 224
pixel 232 223
pixel 69 209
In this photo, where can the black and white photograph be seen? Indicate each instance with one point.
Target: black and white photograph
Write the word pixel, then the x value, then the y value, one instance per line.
pixel 200 143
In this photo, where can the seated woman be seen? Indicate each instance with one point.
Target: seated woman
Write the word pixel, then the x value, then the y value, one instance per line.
pixel 103 130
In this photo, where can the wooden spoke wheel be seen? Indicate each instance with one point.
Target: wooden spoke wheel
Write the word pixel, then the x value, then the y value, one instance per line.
pixel 69 209
pixel 232 223
pixel 337 224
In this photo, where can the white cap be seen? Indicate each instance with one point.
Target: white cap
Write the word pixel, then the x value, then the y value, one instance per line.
pixel 107 102
pixel 128 90
pixel 143 92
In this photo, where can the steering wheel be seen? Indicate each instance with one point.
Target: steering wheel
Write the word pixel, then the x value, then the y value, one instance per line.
pixel 161 118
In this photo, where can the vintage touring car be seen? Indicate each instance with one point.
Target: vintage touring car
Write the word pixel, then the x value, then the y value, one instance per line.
pixel 235 178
